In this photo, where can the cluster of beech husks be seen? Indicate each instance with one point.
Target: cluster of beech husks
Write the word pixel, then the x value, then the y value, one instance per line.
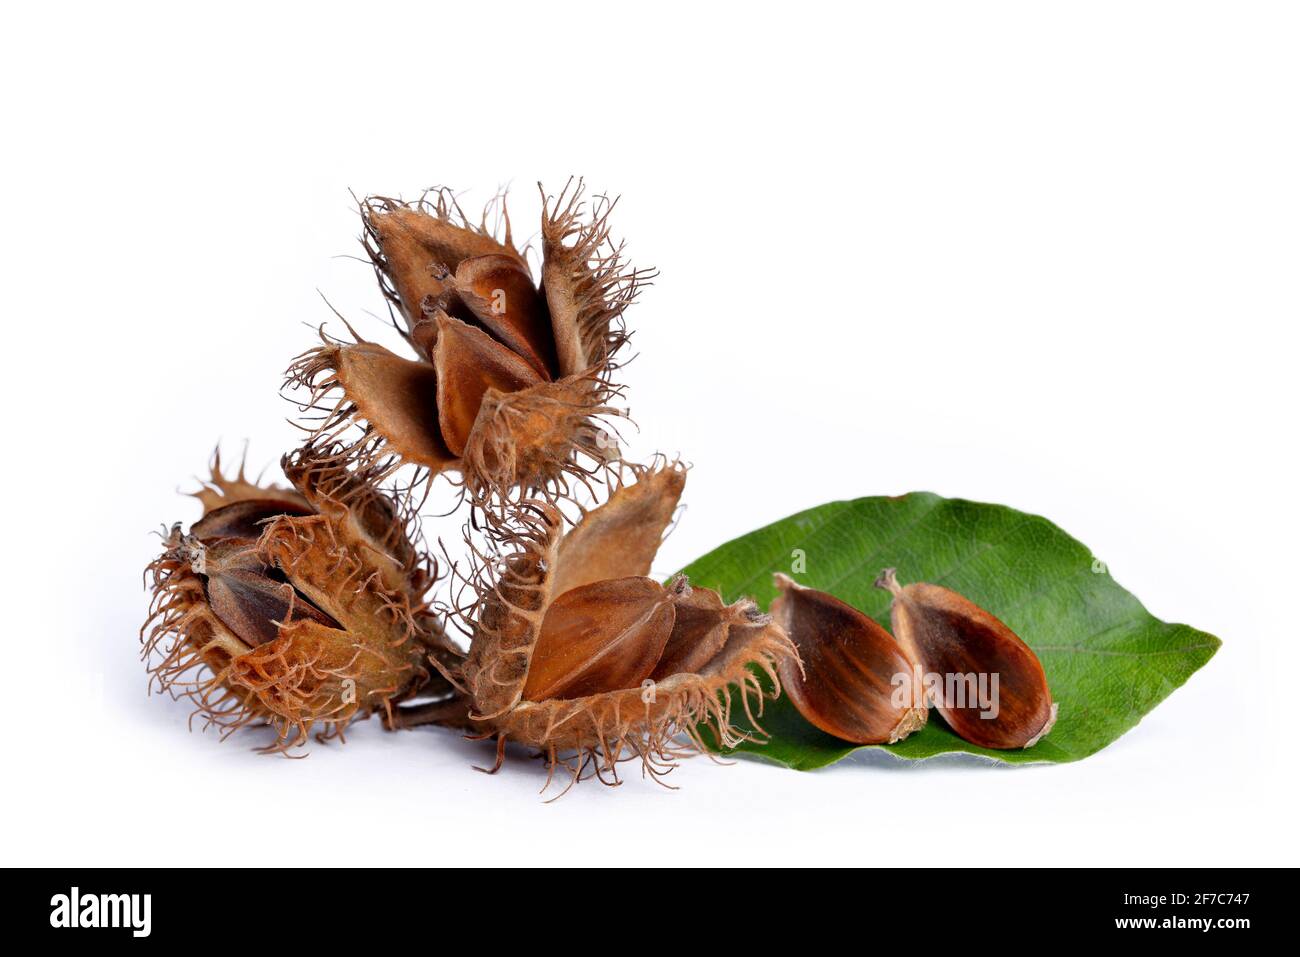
pixel 307 606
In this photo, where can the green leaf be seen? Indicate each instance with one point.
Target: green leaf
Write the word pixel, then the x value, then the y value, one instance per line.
pixel 1108 661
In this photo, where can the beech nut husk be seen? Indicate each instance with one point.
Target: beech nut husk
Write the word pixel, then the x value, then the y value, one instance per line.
pixel 298 608
pixel 509 379
pixel 576 652
pixel 851 679
pixel 990 687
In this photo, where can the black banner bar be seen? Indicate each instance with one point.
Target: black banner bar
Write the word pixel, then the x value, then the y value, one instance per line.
pixel 1225 906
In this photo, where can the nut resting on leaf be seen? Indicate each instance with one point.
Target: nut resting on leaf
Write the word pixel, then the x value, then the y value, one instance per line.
pixel 956 640
pixel 509 378
pixel 295 608
pixel 576 652
pixel 856 682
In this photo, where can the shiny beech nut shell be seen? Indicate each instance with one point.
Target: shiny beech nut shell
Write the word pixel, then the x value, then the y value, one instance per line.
pixel 247 598
pixel 500 294
pixel 700 631
pixel 856 683
pixel 987 683
pixel 245 519
pixel 605 636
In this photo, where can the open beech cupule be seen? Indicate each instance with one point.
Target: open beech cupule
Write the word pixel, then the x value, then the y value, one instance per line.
pixel 510 378
pixel 293 607
pixel 577 652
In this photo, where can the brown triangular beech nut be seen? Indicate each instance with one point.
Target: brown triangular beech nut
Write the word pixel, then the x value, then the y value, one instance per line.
pixel 605 636
pixel 500 294
pixel 248 600
pixel 994 692
pixel 856 682
pixel 701 628
pixel 468 362
pixel 245 519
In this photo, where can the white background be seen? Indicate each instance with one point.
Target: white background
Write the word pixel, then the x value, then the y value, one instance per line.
pixel 1029 253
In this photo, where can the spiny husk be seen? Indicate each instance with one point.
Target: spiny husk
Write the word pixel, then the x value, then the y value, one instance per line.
pixel 537 440
pixel 597 732
pixel 657 721
pixel 587 283
pixel 218 490
pixel 355 635
pixel 515 404
pixel 384 527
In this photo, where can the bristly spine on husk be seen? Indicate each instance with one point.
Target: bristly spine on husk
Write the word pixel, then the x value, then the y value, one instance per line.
pixel 550 427
pixel 357 633
pixel 587 269
pixel 656 722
